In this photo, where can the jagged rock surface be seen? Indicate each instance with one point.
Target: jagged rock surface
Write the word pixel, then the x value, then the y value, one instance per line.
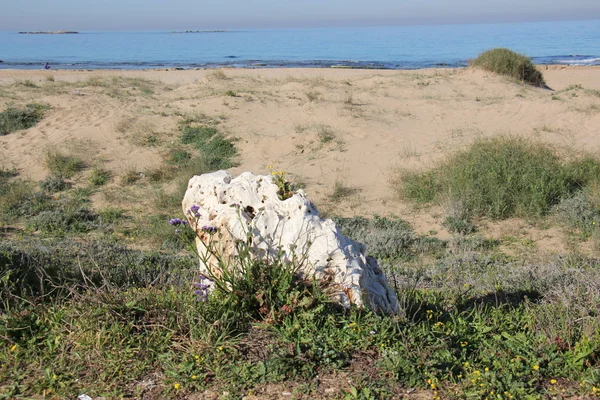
pixel 249 206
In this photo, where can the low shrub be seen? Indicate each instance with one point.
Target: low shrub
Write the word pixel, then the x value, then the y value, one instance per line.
pixel 507 62
pixel 387 239
pixel 65 217
pixel 580 212
pixel 500 177
pixel 53 184
pixel 13 119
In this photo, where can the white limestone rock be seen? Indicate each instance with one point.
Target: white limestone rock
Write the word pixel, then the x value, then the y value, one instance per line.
pixel 248 207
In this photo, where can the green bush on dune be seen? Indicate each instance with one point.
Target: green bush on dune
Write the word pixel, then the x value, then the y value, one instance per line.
pixel 507 62
pixel 500 177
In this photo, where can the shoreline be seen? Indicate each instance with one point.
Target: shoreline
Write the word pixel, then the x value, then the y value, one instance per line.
pixel 55 68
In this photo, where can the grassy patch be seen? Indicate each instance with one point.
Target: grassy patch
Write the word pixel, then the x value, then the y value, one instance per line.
pixel 500 177
pixel 507 62
pixel 61 164
pixel 130 176
pixel 13 119
pixel 341 191
pixel 215 149
pixel 99 177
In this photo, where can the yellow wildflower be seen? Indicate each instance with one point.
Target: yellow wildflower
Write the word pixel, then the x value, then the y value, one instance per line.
pixel 487 369
pixel 176 386
pixel 464 344
pixel 220 348
pixel 553 381
pixel 536 367
pixel 194 377
pixel 13 347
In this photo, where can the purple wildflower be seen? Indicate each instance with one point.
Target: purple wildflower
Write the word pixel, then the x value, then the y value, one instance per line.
pixel 209 229
pixel 177 221
pixel 194 211
pixel 202 289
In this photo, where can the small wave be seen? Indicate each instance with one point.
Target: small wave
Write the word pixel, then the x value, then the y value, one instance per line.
pixel 575 61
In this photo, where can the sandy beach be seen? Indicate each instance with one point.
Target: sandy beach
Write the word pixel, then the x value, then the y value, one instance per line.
pixel 324 127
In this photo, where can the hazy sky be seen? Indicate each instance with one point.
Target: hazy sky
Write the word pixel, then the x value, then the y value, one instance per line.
pixel 93 15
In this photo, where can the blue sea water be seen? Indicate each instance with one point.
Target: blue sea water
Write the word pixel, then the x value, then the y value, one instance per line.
pixel 390 47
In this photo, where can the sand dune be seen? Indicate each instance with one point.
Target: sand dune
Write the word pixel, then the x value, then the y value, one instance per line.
pixel 322 126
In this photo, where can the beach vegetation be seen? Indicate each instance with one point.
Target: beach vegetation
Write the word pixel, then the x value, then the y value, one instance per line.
pixel 17 118
pixel 341 191
pixel 506 62
pixel 130 176
pixel 218 74
pixel 99 176
pixel 500 177
pixel 53 184
pixel 468 316
pixel 61 164
pixel 325 133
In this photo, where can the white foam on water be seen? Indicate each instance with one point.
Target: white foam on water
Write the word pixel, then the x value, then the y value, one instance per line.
pixel 585 61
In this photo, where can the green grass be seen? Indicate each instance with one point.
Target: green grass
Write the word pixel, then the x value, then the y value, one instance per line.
pixel 215 149
pixel 61 164
pixel 13 118
pixel 90 317
pixel 99 177
pixel 508 63
pixel 500 177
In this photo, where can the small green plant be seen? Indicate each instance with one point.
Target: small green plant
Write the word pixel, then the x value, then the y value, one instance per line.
pixel 231 93
pixel 179 157
pixel 130 176
pixel 61 164
pixel 13 119
pixel 325 134
pixel 285 188
pixel 506 62
pixel 99 176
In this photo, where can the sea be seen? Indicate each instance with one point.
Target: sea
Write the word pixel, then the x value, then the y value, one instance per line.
pixel 382 47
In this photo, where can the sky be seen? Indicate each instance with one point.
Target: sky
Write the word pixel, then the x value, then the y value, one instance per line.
pixel 148 15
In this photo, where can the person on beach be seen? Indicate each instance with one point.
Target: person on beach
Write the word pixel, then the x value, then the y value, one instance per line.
pixel 47 66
